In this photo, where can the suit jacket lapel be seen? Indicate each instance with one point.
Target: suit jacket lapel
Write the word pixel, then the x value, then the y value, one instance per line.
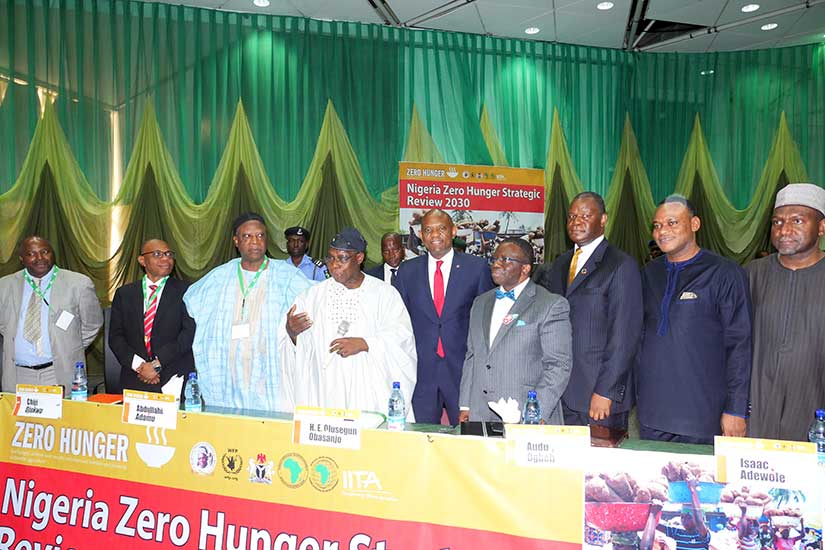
pixel 525 300
pixel 16 302
pixel 486 316
pixel 423 279
pixel 588 268
pixel 455 276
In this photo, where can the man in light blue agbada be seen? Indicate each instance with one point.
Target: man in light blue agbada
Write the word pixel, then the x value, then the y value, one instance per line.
pixel 238 308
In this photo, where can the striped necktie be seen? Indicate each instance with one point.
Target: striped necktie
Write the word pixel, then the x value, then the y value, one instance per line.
pixel 149 319
pixel 31 324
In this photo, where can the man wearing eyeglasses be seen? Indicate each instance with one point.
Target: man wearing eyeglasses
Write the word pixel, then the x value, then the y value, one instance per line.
pixel 238 308
pixel 604 288
pixel 347 339
pixel 519 340
pixel 151 332
pixel 48 316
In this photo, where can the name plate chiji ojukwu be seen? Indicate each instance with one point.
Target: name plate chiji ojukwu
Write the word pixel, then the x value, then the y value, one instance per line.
pixel 39 401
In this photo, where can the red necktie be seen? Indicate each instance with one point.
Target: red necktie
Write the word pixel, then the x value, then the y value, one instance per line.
pixel 438 298
pixel 149 319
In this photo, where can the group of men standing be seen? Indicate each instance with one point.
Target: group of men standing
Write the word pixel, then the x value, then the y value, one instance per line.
pixel 700 345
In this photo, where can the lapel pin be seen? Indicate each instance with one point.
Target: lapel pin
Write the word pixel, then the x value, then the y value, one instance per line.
pixel 584 271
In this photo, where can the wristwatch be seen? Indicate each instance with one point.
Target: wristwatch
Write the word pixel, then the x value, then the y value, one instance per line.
pixel 156 365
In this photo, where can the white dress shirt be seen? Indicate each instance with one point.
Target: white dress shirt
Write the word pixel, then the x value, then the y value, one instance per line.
pixel 445 269
pixel 502 307
pixel 388 272
pixel 587 251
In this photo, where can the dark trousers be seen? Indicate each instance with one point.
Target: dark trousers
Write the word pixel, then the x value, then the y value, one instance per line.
pixel 616 421
pixel 646 432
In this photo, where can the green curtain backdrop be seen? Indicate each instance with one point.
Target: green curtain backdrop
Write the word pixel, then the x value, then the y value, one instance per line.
pixel 208 113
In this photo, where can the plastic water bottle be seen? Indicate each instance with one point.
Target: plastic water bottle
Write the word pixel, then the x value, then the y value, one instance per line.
pixel 396 409
pixel 532 409
pixel 192 400
pixel 816 434
pixel 80 387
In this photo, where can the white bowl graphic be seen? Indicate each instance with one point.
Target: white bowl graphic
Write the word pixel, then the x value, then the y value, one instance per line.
pixel 154 456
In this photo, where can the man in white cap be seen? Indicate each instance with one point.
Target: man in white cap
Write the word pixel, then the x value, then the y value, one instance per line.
pixel 347 339
pixel 788 291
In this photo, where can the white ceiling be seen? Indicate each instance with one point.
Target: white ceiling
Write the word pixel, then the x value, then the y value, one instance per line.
pixel 577 21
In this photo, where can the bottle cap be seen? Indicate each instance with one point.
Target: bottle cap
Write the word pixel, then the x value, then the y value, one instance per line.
pixel 192 376
pixel 820 414
pixel 531 394
pixel 79 365
pixel 396 385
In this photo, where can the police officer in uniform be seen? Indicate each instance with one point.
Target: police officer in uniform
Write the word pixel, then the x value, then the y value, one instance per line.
pixel 297 242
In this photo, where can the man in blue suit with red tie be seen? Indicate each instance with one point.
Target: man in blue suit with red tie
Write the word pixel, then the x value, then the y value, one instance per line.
pixel 438 290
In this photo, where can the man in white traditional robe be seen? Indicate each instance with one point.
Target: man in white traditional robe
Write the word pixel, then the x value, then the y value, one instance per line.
pixel 237 308
pixel 347 339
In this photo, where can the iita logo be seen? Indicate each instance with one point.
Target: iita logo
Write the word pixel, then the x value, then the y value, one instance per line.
pixel 323 474
pixel 362 480
pixel 292 470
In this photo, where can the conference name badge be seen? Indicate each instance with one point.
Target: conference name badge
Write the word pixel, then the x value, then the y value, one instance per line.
pixel 39 401
pixel 546 446
pixel 240 331
pixel 64 320
pixel 156 410
pixel 337 428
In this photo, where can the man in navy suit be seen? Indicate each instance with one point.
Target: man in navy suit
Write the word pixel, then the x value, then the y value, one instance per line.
pixel 392 250
pixel 604 288
pixel 151 332
pixel 438 290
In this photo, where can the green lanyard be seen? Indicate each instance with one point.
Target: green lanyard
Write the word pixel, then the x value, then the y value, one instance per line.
pixel 36 288
pixel 153 295
pixel 245 291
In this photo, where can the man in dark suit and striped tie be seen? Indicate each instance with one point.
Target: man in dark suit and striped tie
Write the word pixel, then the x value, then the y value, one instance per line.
pixel 392 250
pixel 151 332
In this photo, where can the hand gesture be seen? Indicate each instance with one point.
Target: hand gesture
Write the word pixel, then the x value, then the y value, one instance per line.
pixel 296 323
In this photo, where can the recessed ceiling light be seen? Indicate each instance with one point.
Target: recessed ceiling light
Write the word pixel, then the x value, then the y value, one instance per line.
pixel 769 26
pixel 532 30
pixel 706 72
pixel 747 8
pixel 604 6
pixel 261 3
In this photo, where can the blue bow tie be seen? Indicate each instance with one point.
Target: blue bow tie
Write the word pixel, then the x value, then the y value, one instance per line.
pixel 500 294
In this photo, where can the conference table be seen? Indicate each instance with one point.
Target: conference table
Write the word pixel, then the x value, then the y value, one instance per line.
pixel 244 479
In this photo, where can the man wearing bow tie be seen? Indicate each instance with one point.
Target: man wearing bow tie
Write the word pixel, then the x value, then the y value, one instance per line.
pixel 520 339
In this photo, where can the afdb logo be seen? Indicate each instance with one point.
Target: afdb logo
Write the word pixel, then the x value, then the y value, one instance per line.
pixel 323 474
pixel 292 470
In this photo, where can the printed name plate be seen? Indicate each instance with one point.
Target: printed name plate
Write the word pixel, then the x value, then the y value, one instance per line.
pixel 39 401
pixel 765 463
pixel 157 410
pixel 339 428
pixel 546 446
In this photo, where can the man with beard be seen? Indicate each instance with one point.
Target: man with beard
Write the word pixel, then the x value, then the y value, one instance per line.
pixel 519 340
pixel 237 308
pixel 48 316
pixel 346 340
pixel 788 292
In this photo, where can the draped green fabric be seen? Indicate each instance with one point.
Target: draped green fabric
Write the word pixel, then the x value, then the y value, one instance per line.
pixel 209 113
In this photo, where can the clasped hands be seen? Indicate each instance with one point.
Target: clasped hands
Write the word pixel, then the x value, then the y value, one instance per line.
pixel 146 373
pixel 296 323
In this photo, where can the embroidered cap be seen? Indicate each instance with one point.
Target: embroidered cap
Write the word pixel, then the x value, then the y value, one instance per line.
pixel 802 194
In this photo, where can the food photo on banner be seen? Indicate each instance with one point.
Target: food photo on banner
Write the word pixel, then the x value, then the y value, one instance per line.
pixel 486 203
pixel 665 501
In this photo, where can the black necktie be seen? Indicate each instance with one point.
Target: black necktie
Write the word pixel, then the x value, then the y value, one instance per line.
pixel 393 275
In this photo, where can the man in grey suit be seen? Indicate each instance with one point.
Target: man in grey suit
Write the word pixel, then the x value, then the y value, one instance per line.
pixel 519 340
pixel 48 316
